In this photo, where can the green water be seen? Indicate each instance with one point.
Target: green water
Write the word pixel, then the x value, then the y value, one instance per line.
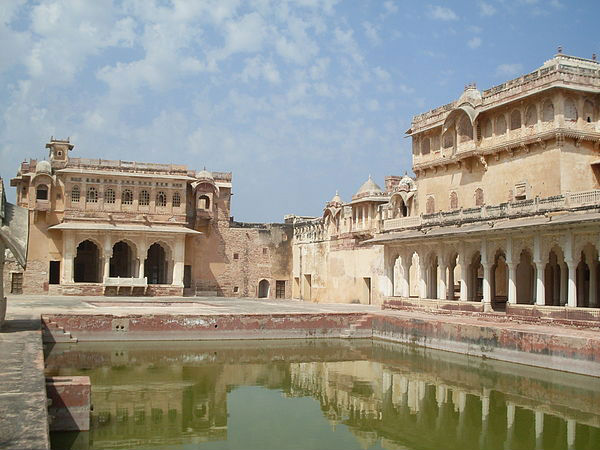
pixel 322 395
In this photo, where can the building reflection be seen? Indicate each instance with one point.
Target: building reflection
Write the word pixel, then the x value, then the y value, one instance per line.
pixel 382 392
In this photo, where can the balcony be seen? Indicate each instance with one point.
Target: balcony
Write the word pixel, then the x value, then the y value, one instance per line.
pixel 522 208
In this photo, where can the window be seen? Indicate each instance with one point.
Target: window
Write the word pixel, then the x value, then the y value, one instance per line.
pixel 448 139
pixel 92 195
pixel 265 250
pixel 548 111
pixel 465 130
pixel 425 146
pixel 500 125
pixel 521 191
pixel 41 192
pixel 127 197
pixel 478 197
pixel 75 194
pixel 176 200
pixel 430 205
pixel 54 272
pixel 515 119
pixel 570 110
pixel 236 256
pixel 203 202
pixel 487 128
pixel 453 200
pixel 280 289
pixel 161 199
pixel 144 198
pixel 588 111
pixel 109 195
pixel 531 116
pixel 236 289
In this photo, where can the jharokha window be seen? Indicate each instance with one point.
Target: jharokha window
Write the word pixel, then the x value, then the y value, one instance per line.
pixel 176 200
pixel 144 198
pixel 92 195
pixel 127 197
pixel 109 196
pixel 41 192
pixel 430 205
pixel 75 194
pixel 453 200
pixel 161 199
pixel 479 197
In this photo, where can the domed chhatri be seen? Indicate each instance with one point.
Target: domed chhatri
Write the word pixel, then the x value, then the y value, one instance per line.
pixel 336 200
pixel 43 167
pixel 368 188
pixel 205 175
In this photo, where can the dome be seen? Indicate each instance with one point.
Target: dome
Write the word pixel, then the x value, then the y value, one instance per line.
pixel 406 183
pixel 369 187
pixel 205 175
pixel 43 167
pixel 471 95
pixel 336 198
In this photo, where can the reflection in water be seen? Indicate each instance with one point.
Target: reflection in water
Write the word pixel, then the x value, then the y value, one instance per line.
pixel 149 395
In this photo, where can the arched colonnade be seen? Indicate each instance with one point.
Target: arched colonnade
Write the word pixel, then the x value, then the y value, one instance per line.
pixel 545 270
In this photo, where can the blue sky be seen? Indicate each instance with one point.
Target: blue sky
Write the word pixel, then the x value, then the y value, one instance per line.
pixel 296 98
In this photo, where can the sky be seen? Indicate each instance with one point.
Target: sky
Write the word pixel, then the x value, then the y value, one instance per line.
pixel 297 98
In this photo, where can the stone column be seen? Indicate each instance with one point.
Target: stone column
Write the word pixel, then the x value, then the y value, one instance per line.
pixel 450 287
pixel 69 254
pixel 512 283
pixel 405 285
pixel 442 289
pixel 178 262
pixel 593 284
pixel 572 283
pixel 463 277
pixel 540 292
pixel 564 284
pixel 422 278
pixel 539 429
pixel 487 291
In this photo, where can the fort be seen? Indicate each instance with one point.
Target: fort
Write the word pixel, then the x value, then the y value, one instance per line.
pixel 491 249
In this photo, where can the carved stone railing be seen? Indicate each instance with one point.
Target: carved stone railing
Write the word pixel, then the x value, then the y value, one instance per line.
pixel 521 208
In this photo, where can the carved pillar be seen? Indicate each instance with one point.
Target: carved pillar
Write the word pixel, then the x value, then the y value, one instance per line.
pixel 463 277
pixel 512 283
pixel 572 284
pixel 405 284
pixel 593 284
pixel 422 278
pixel 442 289
pixel 540 292
pixel 487 291
pixel 450 287
pixel 564 283
pixel 69 254
pixel 178 262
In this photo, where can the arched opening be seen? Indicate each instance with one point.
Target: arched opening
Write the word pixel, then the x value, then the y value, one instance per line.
pixel 41 193
pixel 127 197
pixel 399 208
pixel 465 129
pixel 479 197
pixel 156 265
pixel 448 138
pixel 203 202
pixel 75 194
pixel 87 263
pixel 453 285
pixel 548 111
pixel 525 278
pixel 583 281
pixel 553 278
pixel 92 195
pixel 161 199
pixel 425 146
pixel 430 205
pixel 144 199
pixel 109 196
pixel 515 119
pixel 453 200
pixel 588 111
pixel 475 279
pixel 263 289
pixel 531 116
pixel 500 125
pixel 176 200
pixel 486 128
pixel 123 261
pixel 570 110
pixel 499 281
pixel 432 277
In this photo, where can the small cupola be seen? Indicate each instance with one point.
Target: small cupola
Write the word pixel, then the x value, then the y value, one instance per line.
pixel 58 150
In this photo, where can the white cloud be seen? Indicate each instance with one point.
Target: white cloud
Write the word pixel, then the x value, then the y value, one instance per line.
pixel 258 68
pixel 381 74
pixel 390 7
pixel 474 42
pixel 486 9
pixel 509 69
pixel 442 13
pixel 245 35
pixel 372 33
pixel 345 39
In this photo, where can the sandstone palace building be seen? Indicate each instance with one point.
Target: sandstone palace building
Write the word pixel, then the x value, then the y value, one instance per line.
pixel 100 227
pixel 503 212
